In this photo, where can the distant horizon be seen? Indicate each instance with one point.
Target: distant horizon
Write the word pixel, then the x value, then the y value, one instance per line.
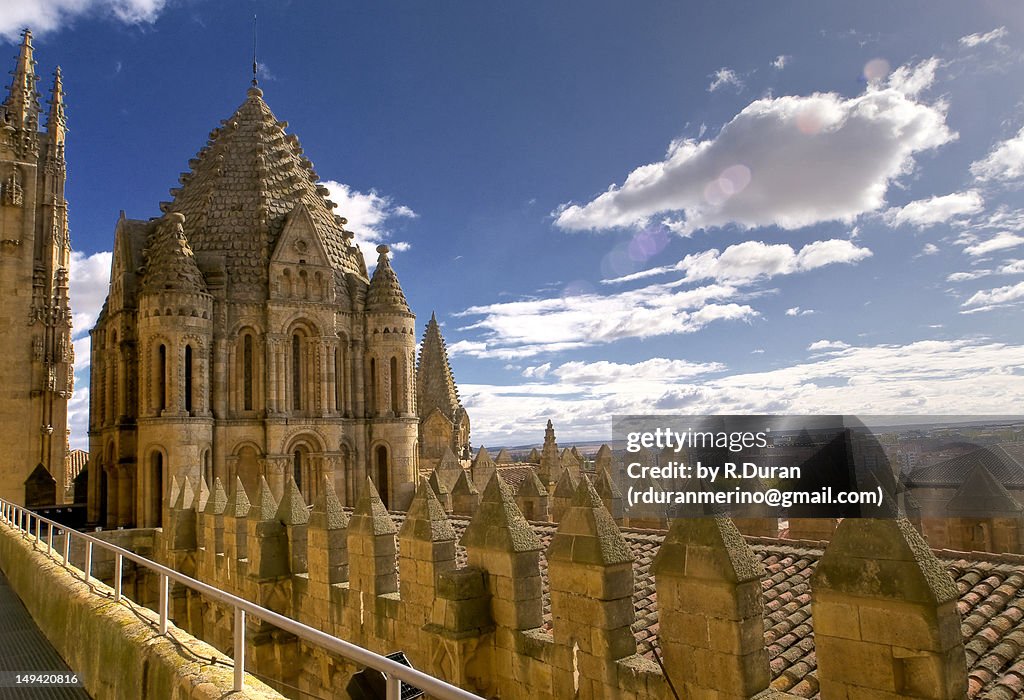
pixel 725 209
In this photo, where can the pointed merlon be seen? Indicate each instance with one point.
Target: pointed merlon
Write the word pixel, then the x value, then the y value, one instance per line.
pixel 218 502
pixel 203 496
pixel 566 486
pixel 371 507
pixel 426 520
pixel 238 504
pixel 587 534
pixel 292 510
pixel 327 511
pixel 185 496
pixel 503 457
pixel 498 523
pixel 173 491
pixel 708 548
pixel 265 507
pixel 464 486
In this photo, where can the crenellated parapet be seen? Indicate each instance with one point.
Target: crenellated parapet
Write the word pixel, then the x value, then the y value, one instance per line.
pixel 516 609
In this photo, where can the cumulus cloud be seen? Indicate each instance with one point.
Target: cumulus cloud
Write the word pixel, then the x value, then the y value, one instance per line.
pixel 988 299
pixel 781 61
pixel 530 327
pixel 1000 241
pixel 725 77
pixel 935 210
pixel 786 161
pixel 923 377
pixel 979 38
pixel 929 249
pixel 752 260
pixel 797 311
pixel 48 15
pixel 820 345
pixel 1012 267
pixel 369 214
pixel 88 281
pixel 1004 162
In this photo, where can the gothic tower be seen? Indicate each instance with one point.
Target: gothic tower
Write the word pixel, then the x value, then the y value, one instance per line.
pixel 243 338
pixel 36 375
pixel 444 423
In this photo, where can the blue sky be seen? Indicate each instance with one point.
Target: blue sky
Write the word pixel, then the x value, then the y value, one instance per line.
pixel 613 208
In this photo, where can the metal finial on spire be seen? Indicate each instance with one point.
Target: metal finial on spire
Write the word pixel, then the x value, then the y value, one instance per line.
pixel 255 66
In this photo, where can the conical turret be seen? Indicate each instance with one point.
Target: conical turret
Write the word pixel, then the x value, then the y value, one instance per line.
pixel 170 263
pixel 435 384
pixel 385 294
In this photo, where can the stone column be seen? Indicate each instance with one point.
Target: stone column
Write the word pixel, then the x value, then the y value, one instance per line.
pixel 885 616
pixel 711 610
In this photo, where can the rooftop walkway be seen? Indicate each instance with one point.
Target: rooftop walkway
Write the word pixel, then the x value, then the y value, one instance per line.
pixel 26 650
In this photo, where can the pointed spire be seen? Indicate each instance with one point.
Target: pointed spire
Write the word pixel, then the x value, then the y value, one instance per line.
pixel 56 121
pixel 435 383
pixel 22 99
pixel 185 496
pixel 385 294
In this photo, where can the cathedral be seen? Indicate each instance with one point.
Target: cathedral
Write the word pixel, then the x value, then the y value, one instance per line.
pixel 242 337
pixel 37 375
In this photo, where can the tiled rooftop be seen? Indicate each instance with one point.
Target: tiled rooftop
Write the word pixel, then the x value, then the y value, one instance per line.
pixel 1004 462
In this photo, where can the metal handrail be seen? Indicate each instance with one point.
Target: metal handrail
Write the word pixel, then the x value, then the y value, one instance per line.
pixel 394 673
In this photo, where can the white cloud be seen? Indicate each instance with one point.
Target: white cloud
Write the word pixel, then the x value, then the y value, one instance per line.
pixel 538 372
pixel 972 40
pixel 929 249
pixel 1004 162
pixel 912 80
pixel 925 377
pixel 49 15
pixel 780 61
pixel 656 369
pixel 797 311
pixel 368 214
pixel 786 161
pixel 819 345
pixel 752 260
pixel 1012 267
pixel 991 298
pixel 1000 241
pixel 88 282
pixel 935 210
pixel 725 77
pixel 525 328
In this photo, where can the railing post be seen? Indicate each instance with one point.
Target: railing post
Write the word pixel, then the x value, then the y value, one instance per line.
pixel 39 529
pixel 88 560
pixel 163 603
pixel 49 541
pixel 117 576
pixel 239 649
pixel 67 547
pixel 393 687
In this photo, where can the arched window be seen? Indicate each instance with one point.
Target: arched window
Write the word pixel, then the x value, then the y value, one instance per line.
pixel 382 474
pixel 339 380
pixel 394 385
pixel 161 378
pixel 296 372
pixel 156 495
pixel 247 372
pixel 188 379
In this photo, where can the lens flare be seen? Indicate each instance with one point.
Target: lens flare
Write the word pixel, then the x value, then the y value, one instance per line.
pixel 876 69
